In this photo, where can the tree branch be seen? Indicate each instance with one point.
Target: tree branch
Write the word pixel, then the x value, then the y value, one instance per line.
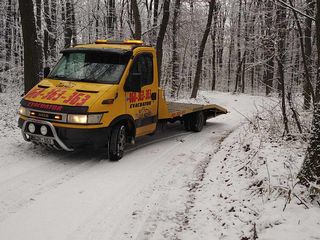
pixel 295 9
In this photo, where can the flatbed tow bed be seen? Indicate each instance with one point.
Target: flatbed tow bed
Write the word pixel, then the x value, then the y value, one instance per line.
pixel 177 109
pixel 104 94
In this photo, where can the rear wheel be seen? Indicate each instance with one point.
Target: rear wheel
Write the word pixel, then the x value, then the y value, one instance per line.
pixel 198 121
pixel 118 141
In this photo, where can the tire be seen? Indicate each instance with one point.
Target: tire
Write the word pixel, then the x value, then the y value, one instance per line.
pixel 118 141
pixel 198 121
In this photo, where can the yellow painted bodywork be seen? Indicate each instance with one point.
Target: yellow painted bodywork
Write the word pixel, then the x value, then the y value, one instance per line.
pixel 59 92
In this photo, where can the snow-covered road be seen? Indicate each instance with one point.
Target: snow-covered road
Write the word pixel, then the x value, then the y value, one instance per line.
pixel 146 195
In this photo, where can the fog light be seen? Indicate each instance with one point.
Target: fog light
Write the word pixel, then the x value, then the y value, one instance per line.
pixel 44 130
pixel 31 128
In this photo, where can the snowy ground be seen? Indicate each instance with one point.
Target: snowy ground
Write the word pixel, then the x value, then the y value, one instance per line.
pixel 228 182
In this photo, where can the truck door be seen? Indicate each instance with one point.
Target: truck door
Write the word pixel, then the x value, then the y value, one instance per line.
pixel 143 105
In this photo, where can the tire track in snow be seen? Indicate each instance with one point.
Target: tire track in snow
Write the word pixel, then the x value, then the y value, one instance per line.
pixel 108 218
pixel 149 210
pixel 161 214
pixel 23 190
pixel 195 185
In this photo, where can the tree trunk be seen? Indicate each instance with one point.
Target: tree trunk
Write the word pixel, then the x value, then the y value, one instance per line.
pixel 73 24
pixel 269 48
pixel 214 49
pixel 282 28
pixel 97 17
pixel 111 20
pixel 32 47
pixel 47 20
pixel 221 34
pixel 121 19
pixel 201 50
pixel 137 20
pixel 50 31
pixel 308 49
pixel 38 14
pixel 53 31
pixel 39 29
pixel 155 21
pixel 238 76
pixel 8 35
pixel 175 59
pixel 68 25
pixel 310 171
pixel 162 33
pixel 16 35
pixel 246 40
pixel 231 49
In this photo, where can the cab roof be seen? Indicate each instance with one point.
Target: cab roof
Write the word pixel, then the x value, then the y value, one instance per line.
pixel 126 45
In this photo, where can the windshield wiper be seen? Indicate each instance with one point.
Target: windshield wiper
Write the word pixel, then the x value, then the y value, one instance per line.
pixel 57 77
pixel 87 80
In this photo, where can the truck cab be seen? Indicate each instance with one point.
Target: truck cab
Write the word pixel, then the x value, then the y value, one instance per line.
pixel 103 94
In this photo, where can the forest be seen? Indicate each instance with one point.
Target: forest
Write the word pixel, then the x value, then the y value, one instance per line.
pixel 258 47
pixel 124 158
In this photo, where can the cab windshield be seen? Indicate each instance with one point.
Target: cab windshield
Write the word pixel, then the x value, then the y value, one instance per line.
pixel 87 66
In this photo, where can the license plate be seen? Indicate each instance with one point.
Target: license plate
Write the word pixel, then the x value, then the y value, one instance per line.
pixel 42 140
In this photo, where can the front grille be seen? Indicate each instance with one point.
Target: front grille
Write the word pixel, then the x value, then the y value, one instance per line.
pixel 45 115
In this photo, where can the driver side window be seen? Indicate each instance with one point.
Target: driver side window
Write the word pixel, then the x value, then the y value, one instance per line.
pixel 143 64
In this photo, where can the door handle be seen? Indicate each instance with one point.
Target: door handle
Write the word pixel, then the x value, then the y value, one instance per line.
pixel 154 96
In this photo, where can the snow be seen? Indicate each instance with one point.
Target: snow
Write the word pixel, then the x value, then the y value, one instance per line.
pixel 246 186
pixel 225 182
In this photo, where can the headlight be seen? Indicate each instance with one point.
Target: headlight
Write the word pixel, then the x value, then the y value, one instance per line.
pixel 84 119
pixel 23 111
pixel 80 119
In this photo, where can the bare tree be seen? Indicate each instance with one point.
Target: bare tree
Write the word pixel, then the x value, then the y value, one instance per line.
pixel 310 172
pixel 137 20
pixel 195 89
pixel 162 33
pixel 307 86
pixel 306 57
pixel 68 24
pixel 214 47
pixel 281 24
pixel 155 21
pixel 112 18
pixel 8 34
pixel 175 59
pixel 32 47
pixel 240 60
pixel 269 47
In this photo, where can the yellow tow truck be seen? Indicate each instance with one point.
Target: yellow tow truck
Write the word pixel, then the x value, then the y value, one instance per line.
pixel 104 94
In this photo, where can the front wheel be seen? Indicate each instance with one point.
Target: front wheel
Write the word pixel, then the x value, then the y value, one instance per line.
pixel 118 141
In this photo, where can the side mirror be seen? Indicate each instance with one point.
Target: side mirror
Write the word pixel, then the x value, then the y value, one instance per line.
pixel 46 72
pixel 133 83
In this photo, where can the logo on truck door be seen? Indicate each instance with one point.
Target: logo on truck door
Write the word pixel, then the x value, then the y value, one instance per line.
pixel 141 99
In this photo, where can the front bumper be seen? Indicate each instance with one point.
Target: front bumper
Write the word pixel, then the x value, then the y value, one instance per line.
pixel 67 139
